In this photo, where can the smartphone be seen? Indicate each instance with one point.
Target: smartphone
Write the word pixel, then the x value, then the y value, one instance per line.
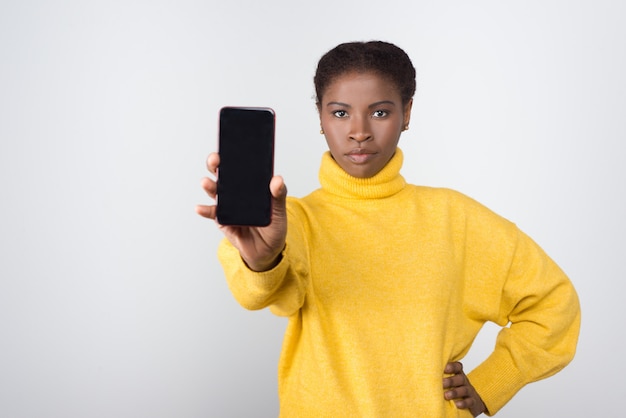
pixel 246 149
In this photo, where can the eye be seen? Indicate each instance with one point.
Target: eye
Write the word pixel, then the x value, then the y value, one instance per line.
pixel 340 113
pixel 380 113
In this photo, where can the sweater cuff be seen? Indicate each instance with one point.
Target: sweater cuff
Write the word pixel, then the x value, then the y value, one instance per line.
pixel 496 380
pixel 250 288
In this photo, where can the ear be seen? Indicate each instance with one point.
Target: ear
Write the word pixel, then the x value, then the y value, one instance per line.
pixel 407 113
pixel 318 106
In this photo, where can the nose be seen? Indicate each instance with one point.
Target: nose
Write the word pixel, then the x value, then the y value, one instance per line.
pixel 360 129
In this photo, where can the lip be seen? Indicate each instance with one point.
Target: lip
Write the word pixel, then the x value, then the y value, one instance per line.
pixel 360 155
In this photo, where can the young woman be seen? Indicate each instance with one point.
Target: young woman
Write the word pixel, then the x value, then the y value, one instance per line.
pixel 386 284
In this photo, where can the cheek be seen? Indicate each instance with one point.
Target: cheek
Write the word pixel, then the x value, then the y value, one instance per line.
pixel 388 130
pixel 332 129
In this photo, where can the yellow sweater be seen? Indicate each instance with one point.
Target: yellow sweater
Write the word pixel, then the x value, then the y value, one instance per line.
pixel 384 283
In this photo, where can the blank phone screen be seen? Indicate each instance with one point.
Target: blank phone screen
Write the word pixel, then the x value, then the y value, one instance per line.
pixel 246 148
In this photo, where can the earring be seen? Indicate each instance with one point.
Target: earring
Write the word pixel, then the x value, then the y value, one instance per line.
pixel 406 127
pixel 322 131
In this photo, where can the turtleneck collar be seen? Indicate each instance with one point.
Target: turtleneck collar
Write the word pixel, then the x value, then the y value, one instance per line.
pixel 385 183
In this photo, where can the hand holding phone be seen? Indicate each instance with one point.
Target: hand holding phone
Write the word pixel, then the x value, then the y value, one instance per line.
pixel 259 246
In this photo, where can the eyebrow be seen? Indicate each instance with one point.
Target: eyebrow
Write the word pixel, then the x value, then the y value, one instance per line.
pixel 375 104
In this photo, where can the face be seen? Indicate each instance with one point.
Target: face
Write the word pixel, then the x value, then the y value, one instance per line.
pixel 362 117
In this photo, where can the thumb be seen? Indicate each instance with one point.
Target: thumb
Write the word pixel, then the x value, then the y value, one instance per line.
pixel 279 200
pixel 278 188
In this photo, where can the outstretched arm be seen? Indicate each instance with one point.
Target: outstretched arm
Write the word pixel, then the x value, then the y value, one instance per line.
pixel 252 257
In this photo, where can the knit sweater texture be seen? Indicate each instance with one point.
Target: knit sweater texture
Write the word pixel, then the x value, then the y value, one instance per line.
pixel 384 283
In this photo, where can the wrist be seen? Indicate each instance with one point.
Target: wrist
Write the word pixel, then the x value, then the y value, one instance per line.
pixel 264 265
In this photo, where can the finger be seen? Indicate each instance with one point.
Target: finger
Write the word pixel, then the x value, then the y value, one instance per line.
pixel 209 186
pixel 278 188
pixel 455 381
pixel 206 211
pixel 454 367
pixel 465 403
pixel 457 393
pixel 212 162
pixel 279 195
pixel 456 376
pixel 449 395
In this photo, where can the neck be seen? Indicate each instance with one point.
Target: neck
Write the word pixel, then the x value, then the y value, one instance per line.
pixel 385 183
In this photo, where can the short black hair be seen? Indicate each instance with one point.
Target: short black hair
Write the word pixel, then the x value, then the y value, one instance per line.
pixel 383 58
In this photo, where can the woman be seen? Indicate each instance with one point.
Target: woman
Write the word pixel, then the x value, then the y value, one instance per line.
pixel 386 284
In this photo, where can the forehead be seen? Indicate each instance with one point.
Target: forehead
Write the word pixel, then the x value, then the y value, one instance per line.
pixel 357 86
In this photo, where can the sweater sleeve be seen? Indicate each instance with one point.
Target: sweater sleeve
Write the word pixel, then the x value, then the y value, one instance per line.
pixel 540 306
pixel 282 288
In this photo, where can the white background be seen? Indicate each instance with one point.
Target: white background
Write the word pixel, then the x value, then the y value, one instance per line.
pixel 112 303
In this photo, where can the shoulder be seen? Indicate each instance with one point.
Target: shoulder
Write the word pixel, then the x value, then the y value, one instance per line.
pixel 299 209
pixel 455 205
pixel 441 196
pixel 314 198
